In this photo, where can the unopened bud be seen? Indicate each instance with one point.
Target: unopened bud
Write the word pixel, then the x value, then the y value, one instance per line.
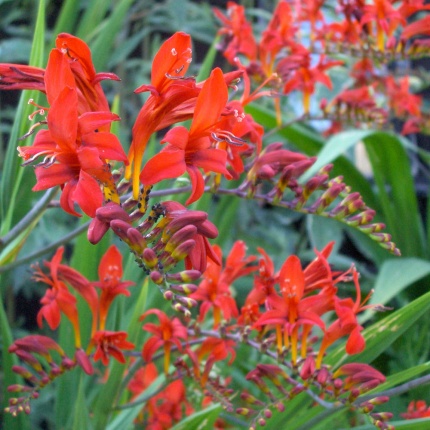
pixel 183 250
pixel 168 295
pixel 182 235
pixel 136 241
pixel 268 413
pixel 261 422
pixel 184 288
pixel 186 301
pixel 150 258
pixel 184 276
pixel 156 277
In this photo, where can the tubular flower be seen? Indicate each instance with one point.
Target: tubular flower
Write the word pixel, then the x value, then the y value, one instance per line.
pixel 110 273
pixel 167 334
pixel 57 299
pixel 215 350
pixel 292 310
pixel 110 343
pixel 215 289
pixel 187 151
pixel 239 38
pixel 416 409
pixel 77 143
pixel 172 98
pixel 346 324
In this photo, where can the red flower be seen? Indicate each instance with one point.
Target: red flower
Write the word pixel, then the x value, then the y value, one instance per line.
pixel 215 289
pixel 172 98
pixel 238 33
pixel 346 324
pixel 57 299
pixel 416 409
pixel 77 142
pixel 214 349
pixel 187 151
pixel 110 343
pixel 110 273
pixel 166 334
pixel 292 310
pixel 20 77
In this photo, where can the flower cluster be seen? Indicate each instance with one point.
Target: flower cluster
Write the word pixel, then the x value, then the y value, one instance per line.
pixel 288 59
pixel 291 316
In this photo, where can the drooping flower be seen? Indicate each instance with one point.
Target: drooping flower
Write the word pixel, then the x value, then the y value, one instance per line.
pixel 57 298
pixel 346 323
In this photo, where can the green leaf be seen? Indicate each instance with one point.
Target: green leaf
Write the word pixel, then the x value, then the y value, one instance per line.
pixel 419 424
pixel 336 146
pixel 81 418
pixel 396 191
pixel 104 43
pixel 125 418
pixel 383 333
pixel 397 274
pixel 202 420
pixel 12 175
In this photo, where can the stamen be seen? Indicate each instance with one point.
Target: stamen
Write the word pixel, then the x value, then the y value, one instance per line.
pixel 226 136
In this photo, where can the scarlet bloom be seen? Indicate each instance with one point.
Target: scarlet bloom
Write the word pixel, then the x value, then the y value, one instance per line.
pixel 215 289
pixel 172 98
pixel 110 273
pixel 77 143
pixel 168 333
pixel 416 409
pixel 21 77
pixel 110 343
pixel 239 38
pixel 188 151
pixel 346 324
pixel 57 299
pixel 213 349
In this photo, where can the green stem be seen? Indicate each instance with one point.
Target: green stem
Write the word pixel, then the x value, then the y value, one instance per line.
pixel 29 218
pixel 44 251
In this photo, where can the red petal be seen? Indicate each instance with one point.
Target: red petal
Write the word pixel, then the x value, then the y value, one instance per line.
pixel 58 75
pixel 91 121
pixel 210 102
pixel 57 174
pixel 173 58
pixel 177 136
pixel 63 119
pixel 197 183
pixel 107 144
pixel 165 165
pixel 88 194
